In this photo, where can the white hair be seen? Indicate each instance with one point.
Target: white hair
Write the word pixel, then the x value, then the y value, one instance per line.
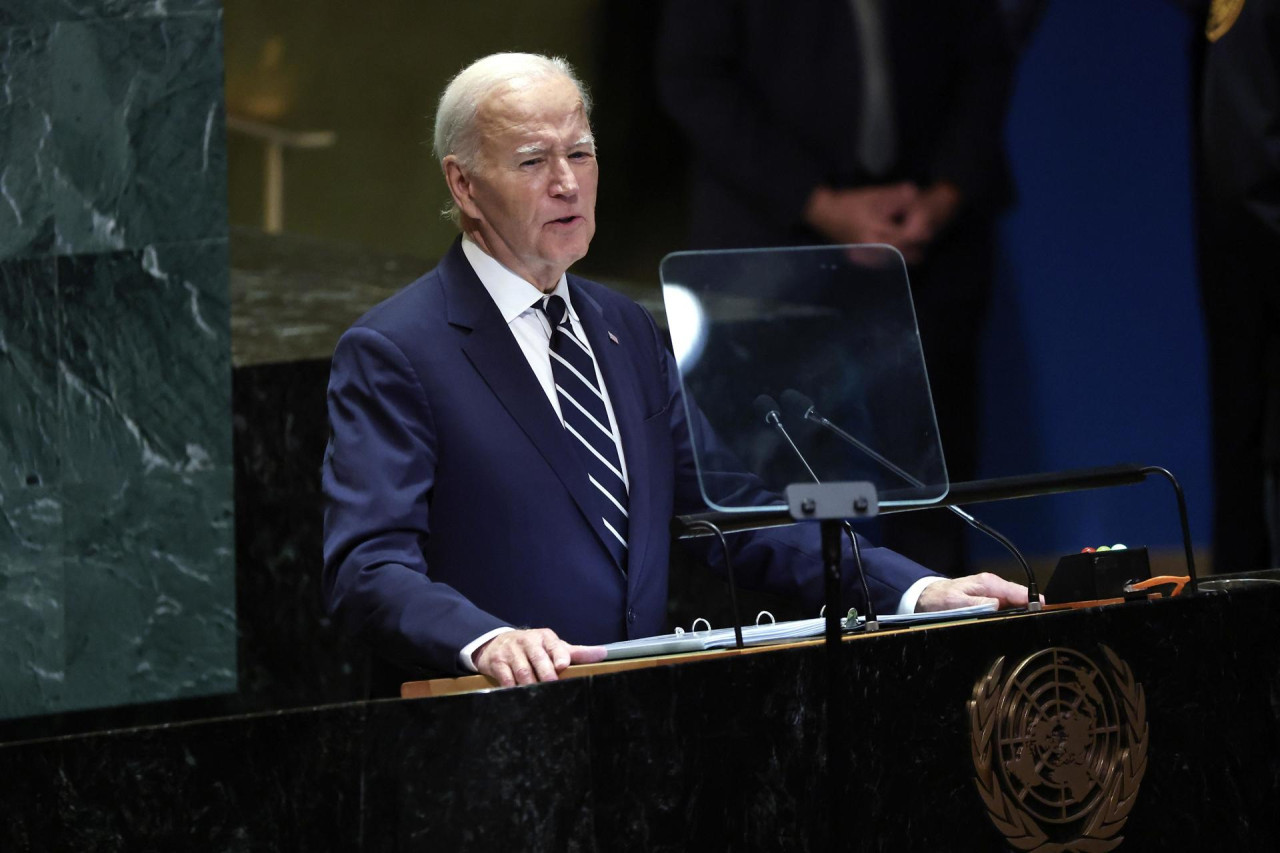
pixel 475 84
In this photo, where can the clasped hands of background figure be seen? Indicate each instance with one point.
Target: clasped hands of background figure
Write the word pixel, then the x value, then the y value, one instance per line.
pixel 903 215
pixel 529 656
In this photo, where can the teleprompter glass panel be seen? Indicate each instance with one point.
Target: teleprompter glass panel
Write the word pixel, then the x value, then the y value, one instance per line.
pixel 819 340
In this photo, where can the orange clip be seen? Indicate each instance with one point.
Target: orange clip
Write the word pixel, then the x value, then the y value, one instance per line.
pixel 1176 581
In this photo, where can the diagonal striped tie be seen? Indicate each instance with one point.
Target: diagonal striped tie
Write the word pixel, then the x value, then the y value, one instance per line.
pixel 582 408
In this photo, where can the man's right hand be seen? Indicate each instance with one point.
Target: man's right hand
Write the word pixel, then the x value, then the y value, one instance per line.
pixel 529 656
pixel 971 590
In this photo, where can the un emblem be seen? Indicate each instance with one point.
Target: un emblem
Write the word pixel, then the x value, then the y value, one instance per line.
pixel 1060 748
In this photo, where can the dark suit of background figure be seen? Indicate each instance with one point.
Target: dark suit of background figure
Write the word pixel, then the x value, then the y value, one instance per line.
pixel 1239 186
pixel 768 94
pixel 455 495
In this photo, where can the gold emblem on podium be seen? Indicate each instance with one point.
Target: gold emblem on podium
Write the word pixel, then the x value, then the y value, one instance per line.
pixel 1222 14
pixel 1060 747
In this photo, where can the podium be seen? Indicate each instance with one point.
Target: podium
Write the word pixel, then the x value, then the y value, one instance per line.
pixel 722 752
pixel 726 750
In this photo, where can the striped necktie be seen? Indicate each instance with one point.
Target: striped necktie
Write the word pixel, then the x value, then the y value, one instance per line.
pixel 585 418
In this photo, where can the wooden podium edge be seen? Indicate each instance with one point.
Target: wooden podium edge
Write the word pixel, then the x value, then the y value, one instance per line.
pixel 435 687
pixel 473 683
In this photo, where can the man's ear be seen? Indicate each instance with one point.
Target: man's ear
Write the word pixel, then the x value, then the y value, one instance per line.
pixel 458 177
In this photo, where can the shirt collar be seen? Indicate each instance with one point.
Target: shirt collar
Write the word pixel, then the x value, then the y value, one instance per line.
pixel 512 294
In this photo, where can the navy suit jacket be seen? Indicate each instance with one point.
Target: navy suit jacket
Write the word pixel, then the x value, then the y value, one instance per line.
pixel 455 501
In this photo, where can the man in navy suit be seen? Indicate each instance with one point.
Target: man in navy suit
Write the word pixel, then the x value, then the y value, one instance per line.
pixel 508 447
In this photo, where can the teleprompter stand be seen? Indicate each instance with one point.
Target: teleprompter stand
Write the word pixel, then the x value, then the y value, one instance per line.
pixel 831 504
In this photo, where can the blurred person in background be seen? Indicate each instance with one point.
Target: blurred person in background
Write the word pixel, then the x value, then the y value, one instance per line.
pixel 1238 161
pixel 859 121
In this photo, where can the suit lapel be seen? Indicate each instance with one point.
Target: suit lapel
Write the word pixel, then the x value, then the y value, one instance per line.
pixel 493 351
pixel 624 394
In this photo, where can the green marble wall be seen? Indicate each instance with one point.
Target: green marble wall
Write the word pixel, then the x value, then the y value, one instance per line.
pixel 116 549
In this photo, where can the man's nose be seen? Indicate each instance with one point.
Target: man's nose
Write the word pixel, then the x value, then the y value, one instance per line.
pixel 563 180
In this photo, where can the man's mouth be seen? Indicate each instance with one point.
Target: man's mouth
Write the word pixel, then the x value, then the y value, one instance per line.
pixel 566 220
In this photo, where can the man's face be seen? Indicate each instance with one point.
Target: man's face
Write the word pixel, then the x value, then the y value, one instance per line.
pixel 532 189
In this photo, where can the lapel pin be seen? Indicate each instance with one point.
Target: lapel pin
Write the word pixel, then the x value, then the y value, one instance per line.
pixel 613 338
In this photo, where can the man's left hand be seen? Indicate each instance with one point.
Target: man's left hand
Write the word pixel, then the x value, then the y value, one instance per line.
pixel 971 590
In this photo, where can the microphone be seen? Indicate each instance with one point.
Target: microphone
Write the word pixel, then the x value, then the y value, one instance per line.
pixel 767 408
pixel 805 409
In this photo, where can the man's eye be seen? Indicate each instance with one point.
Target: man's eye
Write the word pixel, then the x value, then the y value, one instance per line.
pixel 535 161
pixel 580 155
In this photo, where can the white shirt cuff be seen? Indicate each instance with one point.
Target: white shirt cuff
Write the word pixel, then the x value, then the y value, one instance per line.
pixel 907 604
pixel 464 656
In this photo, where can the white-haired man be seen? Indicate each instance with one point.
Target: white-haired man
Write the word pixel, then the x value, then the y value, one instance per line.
pixel 507 445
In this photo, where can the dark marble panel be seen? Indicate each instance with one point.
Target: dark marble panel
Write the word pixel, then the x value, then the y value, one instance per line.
pixel 29 417
pixel 32 601
pixel 735 768
pixel 137 133
pixel 454 774
pixel 150 608
pixel 26 121
pixel 290 651
pixel 48 11
pixel 145 386
pixel 226 786
pixel 31 570
pixel 146 373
